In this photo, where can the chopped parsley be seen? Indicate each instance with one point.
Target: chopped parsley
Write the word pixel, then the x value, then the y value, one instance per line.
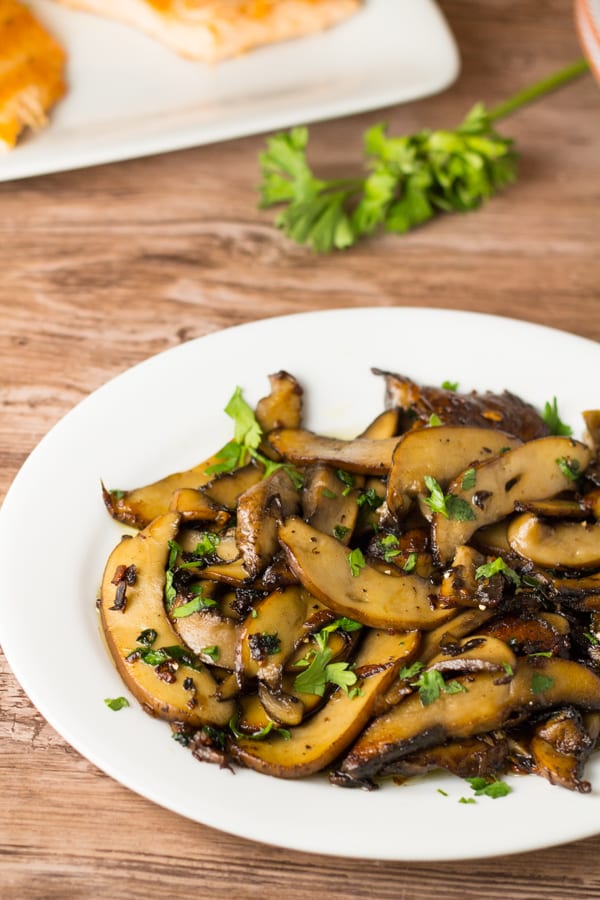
pixel 553 421
pixel 340 531
pixel 569 467
pixel 320 671
pixel 410 671
pixel 263 644
pixel 116 703
pixel 196 604
pixel 258 735
pixel 146 637
pixel 356 561
pixel 371 498
pixel 213 652
pixel 450 385
pixel 468 480
pixel 487 570
pixel 431 685
pixel 208 543
pixel 247 435
pixel 447 505
pixel 329 495
pixel 541 683
pixel 411 562
pixel 484 787
pixel 347 479
pixel 435 421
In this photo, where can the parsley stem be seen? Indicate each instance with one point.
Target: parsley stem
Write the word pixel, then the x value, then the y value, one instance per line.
pixel 539 89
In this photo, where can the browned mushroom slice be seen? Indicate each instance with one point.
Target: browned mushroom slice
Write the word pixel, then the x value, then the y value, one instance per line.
pixel 258 512
pixel 194 506
pixel 385 425
pixel 225 490
pixel 560 747
pixel 476 653
pixel 461 586
pixel 270 634
pixel 555 545
pixel 315 744
pixel 326 505
pixel 211 636
pixel 486 704
pixel 505 411
pixel 366 456
pixel 536 470
pixel 324 567
pixel 132 604
pixel 442 453
pixel 282 408
pixel 139 507
pixel 556 508
pixel 482 756
pixel 528 633
pixel 286 709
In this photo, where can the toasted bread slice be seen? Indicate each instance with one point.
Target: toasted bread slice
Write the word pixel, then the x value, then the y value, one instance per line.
pixel 212 30
pixel 31 72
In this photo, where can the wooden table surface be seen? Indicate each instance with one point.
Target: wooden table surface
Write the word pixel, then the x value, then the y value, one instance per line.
pixel 104 267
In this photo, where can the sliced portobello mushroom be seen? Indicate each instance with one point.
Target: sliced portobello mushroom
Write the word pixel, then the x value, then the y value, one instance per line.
pixel 366 456
pixel 326 505
pixel 483 756
pixel 138 507
pixel 536 470
pixel 555 544
pixel 383 426
pixel 488 703
pixel 210 635
pixel 282 408
pixel 560 747
pixel 315 744
pixel 194 506
pixel 258 512
pixel 441 452
pixel 324 567
pixel 132 603
pixel 505 411
pixel 270 634
pixel 225 490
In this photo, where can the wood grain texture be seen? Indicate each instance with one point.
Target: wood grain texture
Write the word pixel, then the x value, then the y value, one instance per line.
pixel 103 267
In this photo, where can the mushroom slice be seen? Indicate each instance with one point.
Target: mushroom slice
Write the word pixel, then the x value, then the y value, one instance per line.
pixel 323 565
pixel 505 411
pixel 259 509
pixel 211 636
pixel 225 490
pixel 131 603
pixel 556 508
pixel 268 638
pixel 366 456
pixel 326 505
pixel 555 545
pixel 560 747
pixel 315 744
pixel 194 506
pixel 476 653
pixel 286 709
pixel 482 756
pixel 139 507
pixel 486 704
pixel 534 471
pixel 542 633
pixel 442 453
pixel 282 408
pixel 385 425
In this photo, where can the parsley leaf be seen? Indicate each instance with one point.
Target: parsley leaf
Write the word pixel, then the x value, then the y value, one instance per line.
pixel 246 436
pixel 468 480
pixel 196 604
pixel 569 467
pixel 487 570
pixel 340 531
pixel 116 703
pixel 553 421
pixel 487 788
pixel 411 562
pixel 450 385
pixel 406 181
pixel 541 683
pixel 356 561
pixel 447 505
pixel 319 670
pixel 258 735
pixel 434 421
pixel 431 684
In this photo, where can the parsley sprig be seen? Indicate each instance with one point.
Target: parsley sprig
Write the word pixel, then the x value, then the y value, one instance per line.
pixel 408 180
pixel 318 668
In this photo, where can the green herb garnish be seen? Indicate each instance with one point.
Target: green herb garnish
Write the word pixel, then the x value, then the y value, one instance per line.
pixel 356 561
pixel 340 531
pixel 116 703
pixel 487 570
pixel 468 480
pixel 431 684
pixel 569 467
pixel 553 421
pixel 450 385
pixel 411 562
pixel 484 787
pixel 407 180
pixel 541 683
pixel 447 505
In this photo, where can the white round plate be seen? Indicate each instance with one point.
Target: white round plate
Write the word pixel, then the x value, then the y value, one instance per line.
pixel 165 415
